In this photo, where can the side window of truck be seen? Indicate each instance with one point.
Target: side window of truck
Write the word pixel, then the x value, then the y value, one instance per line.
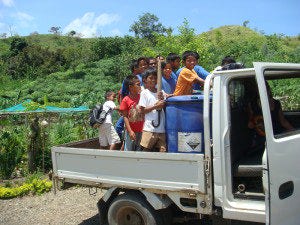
pixel 284 102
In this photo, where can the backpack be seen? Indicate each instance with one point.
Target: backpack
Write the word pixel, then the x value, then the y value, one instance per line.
pixel 98 116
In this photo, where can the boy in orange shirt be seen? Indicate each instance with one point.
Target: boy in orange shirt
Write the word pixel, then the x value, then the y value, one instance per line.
pixel 187 76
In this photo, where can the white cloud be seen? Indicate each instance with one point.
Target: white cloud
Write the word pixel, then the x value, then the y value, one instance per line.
pixel 115 32
pixel 23 16
pixel 8 3
pixel 89 24
pixel 106 19
pixel 23 20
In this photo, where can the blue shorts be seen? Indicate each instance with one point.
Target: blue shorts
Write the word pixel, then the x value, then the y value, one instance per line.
pixel 120 126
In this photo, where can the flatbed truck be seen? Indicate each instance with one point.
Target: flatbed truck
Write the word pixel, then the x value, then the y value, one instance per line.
pixel 225 180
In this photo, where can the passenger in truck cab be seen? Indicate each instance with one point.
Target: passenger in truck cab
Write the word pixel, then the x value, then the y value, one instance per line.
pixel 255 118
pixel 151 105
pixel 279 122
pixel 188 75
pixel 134 121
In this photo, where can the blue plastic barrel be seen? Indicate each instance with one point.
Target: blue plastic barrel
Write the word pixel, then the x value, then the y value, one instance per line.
pixel 184 124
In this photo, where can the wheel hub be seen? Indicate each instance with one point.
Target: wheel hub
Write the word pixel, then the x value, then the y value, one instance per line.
pixel 129 216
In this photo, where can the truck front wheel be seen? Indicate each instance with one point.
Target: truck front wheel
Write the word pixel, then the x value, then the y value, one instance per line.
pixel 131 209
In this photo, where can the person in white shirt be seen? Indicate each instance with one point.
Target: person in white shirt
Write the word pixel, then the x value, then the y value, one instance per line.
pixel 151 105
pixel 108 137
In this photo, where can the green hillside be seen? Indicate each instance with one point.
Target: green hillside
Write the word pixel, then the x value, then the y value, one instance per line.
pixel 78 71
pixel 51 41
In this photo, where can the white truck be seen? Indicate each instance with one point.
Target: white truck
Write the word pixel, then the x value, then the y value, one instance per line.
pixel 226 180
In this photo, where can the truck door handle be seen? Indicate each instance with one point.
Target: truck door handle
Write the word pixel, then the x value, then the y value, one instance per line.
pixel 286 190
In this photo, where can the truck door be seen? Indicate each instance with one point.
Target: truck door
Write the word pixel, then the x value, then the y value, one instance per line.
pixel 282 156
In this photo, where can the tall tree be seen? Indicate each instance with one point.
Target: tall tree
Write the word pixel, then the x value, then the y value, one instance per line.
pixel 147 26
pixel 245 23
pixel 55 30
pixel 187 33
pixel 71 33
pixel 3 35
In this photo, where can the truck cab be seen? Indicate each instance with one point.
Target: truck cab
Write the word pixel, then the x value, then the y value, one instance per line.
pixel 256 181
pixel 247 171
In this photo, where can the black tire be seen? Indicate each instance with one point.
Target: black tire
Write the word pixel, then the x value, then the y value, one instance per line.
pixel 132 209
pixel 166 216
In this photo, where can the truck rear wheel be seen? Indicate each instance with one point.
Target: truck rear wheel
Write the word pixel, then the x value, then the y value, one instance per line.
pixel 130 209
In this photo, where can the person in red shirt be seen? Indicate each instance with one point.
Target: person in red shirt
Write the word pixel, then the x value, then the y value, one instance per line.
pixel 134 121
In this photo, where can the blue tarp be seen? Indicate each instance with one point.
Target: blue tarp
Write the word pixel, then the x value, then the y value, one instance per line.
pixel 21 108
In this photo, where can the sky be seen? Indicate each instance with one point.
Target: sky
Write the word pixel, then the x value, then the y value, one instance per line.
pixel 94 18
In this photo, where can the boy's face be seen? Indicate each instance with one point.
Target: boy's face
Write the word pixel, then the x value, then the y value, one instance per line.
pixel 112 97
pixel 167 70
pixel 136 71
pixel 143 65
pixel 190 62
pixel 135 88
pixel 151 81
pixel 176 64
pixel 152 62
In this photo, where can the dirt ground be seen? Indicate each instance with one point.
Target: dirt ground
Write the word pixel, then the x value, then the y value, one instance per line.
pixel 68 207
pixel 71 206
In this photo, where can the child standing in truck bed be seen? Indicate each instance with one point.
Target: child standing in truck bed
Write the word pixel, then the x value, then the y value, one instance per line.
pixel 187 76
pixel 108 137
pixel 153 136
pixel 168 81
pixel 133 120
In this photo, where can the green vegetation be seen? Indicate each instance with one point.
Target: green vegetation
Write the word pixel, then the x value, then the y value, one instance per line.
pixel 71 71
pixel 34 185
pixel 148 26
pixel 78 71
pixel 20 138
pixel 11 151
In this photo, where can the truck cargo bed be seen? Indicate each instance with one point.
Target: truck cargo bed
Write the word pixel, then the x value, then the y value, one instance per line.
pixel 81 162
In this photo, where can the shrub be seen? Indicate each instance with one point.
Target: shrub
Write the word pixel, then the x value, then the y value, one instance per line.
pixel 40 186
pixel 11 151
pixel 36 186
